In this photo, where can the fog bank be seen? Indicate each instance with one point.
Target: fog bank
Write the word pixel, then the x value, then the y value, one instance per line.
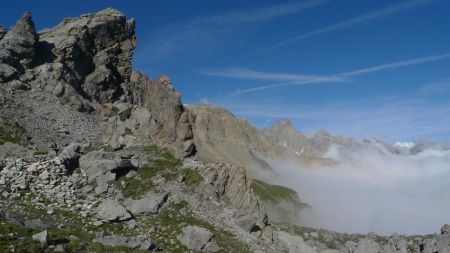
pixel 373 191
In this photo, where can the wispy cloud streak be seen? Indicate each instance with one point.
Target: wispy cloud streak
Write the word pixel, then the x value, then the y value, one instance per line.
pixel 395 65
pixel 295 79
pixel 202 34
pixel 245 73
pixel 409 5
pixel 438 87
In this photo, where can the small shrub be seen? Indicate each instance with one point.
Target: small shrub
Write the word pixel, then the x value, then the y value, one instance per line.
pixel 192 177
pixel 40 153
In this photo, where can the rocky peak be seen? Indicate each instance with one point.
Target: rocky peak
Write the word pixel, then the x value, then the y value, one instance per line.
pixel 96 49
pixel 17 48
pixel 85 63
pixel 25 28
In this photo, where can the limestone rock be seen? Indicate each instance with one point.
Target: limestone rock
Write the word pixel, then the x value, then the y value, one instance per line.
pixel 122 241
pixel 198 238
pixel 103 166
pixel 97 50
pixel 229 183
pixel 158 114
pixel 71 154
pixel 18 45
pixel 150 203
pixel 294 244
pixel 445 229
pixel 41 237
pixel 111 210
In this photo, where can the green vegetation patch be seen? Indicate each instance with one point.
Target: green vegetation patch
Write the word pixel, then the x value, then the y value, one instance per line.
pixel 137 186
pixel 162 163
pixel 192 177
pixel 15 238
pixel 12 133
pixel 40 153
pixel 273 193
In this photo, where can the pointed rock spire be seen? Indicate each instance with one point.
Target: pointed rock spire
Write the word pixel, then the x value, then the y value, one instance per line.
pixel 25 28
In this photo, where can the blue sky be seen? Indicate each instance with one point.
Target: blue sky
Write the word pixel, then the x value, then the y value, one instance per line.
pixel 359 68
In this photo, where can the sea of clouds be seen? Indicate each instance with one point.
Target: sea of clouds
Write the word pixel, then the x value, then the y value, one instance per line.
pixel 373 190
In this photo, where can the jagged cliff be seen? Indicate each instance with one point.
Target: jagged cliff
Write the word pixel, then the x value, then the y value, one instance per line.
pixel 86 62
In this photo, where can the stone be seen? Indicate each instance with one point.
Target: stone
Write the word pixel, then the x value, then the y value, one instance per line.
pixel 97 223
pixel 41 237
pixel 114 143
pixel 212 246
pixel 131 224
pixel 100 164
pixel 229 183
pixel 150 203
pixel 111 210
pixel 445 229
pixel 60 248
pixel 147 245
pixel 119 241
pixel 58 90
pixel 195 238
pixel 294 244
pixel 71 154
pixel 131 173
pixel 123 110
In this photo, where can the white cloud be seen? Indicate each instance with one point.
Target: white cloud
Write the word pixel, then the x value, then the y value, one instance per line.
pixel 300 79
pixel 202 34
pixel 395 65
pixel 439 87
pixel 245 73
pixel 393 9
pixel 372 191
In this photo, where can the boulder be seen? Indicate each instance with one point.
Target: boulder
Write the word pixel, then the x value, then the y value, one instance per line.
pixel 198 238
pixel 122 241
pixel 41 237
pixel 104 166
pixel 150 203
pixel 71 154
pixel 293 244
pixel 445 229
pixel 228 183
pixel 111 210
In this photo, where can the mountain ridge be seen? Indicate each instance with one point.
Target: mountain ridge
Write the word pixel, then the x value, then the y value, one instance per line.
pixel 96 156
